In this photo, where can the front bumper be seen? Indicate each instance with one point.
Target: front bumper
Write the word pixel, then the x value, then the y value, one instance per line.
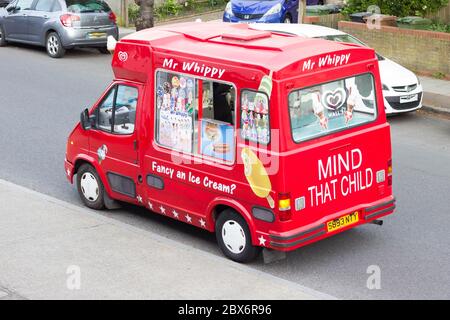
pixel 69 168
pixel 392 101
pixel 80 37
pixel 294 239
pixel 273 18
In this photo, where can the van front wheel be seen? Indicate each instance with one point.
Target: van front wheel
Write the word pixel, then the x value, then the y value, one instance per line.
pixel 90 187
pixel 233 237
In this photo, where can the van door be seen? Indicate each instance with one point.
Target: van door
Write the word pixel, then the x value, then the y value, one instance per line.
pixel 344 153
pixel 113 139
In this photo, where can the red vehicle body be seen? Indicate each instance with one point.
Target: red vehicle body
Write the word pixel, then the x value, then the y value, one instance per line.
pixel 282 187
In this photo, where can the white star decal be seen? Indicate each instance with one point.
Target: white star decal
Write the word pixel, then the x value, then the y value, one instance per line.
pixel 188 218
pixel 175 214
pixel 150 205
pixel 202 223
pixel 139 199
pixel 262 241
pixel 163 210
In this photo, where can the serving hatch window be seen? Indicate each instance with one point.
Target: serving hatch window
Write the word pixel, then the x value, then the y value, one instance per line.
pixel 195 116
pixel 323 109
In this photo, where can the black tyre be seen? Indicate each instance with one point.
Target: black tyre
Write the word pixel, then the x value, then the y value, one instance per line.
pixel 2 37
pixel 54 45
pixel 90 187
pixel 287 19
pixel 103 50
pixel 233 237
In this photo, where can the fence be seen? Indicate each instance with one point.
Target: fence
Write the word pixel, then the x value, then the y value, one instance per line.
pixel 425 52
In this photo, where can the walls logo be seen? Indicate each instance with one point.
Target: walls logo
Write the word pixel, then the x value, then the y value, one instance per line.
pixel 333 100
pixel 123 56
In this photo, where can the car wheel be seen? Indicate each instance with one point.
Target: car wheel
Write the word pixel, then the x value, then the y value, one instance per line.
pixel 2 37
pixel 287 19
pixel 54 45
pixel 90 187
pixel 103 50
pixel 233 237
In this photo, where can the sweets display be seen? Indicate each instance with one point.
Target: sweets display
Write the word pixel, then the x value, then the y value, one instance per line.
pixel 175 105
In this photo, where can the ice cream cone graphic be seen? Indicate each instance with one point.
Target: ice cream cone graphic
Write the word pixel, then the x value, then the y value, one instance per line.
pixel 257 175
pixel 265 86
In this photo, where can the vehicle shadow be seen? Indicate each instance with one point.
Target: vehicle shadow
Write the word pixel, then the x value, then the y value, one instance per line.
pixel 204 240
pixel 70 53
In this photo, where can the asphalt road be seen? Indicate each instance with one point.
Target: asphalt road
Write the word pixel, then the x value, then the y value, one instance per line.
pixel 41 99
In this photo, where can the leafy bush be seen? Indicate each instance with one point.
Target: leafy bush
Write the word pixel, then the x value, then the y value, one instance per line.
pixel 439 27
pixel 399 8
pixel 133 12
pixel 169 7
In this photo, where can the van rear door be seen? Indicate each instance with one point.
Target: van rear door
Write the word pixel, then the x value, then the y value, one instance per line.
pixel 340 157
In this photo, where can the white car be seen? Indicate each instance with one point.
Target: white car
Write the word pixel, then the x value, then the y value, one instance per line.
pixel 402 90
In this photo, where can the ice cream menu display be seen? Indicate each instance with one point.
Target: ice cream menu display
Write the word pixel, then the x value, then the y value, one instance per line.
pixel 175 111
pixel 217 140
pixel 255 117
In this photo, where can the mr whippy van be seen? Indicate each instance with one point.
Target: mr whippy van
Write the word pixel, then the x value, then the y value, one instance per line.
pixel 249 134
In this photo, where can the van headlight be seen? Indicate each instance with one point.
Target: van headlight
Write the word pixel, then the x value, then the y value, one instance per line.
pixel 275 9
pixel 228 9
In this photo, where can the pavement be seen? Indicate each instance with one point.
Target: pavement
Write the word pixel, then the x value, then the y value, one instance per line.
pixel 436 95
pixel 50 249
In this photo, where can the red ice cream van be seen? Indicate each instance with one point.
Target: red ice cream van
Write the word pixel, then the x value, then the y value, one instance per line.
pixel 249 134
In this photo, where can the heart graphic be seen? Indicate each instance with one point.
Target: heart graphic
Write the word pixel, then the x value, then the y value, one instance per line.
pixel 333 100
pixel 123 56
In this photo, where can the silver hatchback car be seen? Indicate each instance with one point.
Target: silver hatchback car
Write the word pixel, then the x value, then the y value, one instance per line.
pixel 58 24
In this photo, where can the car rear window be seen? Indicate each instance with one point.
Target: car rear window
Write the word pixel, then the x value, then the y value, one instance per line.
pixel 330 107
pixel 84 6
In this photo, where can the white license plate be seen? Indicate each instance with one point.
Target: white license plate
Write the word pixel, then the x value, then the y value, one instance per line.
pixel 410 98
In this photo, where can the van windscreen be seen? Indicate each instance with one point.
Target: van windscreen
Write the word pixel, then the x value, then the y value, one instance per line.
pixel 334 106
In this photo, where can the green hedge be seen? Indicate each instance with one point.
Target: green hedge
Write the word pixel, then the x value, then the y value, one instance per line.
pixel 399 8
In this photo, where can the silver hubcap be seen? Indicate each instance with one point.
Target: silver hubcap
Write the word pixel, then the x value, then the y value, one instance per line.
pixel 89 186
pixel 52 45
pixel 233 236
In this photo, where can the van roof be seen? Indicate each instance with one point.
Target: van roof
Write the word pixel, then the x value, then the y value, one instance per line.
pixel 237 43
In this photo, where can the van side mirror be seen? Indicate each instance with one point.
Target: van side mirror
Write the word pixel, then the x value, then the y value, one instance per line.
pixel 85 120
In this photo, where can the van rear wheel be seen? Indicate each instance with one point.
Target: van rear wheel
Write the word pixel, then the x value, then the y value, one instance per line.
pixel 234 238
pixel 90 187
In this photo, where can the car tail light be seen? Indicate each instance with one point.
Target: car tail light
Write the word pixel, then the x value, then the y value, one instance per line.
pixel 112 17
pixel 284 206
pixel 389 172
pixel 68 19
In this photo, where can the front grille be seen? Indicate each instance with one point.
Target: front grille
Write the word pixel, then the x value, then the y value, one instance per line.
pixel 405 88
pixel 395 103
pixel 244 16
